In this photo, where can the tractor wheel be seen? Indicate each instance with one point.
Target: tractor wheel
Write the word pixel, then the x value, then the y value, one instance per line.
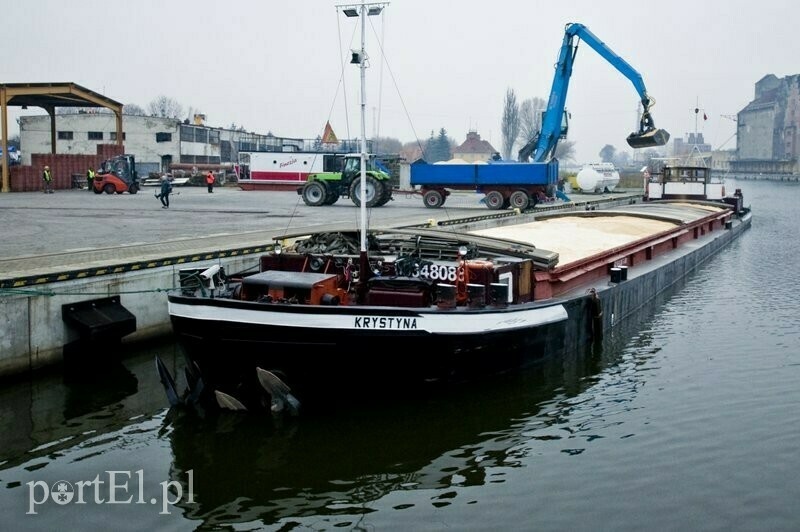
pixel 520 200
pixel 314 193
pixel 133 189
pixel 333 192
pixel 109 188
pixel 494 200
pixel 387 194
pixel 433 199
pixel 374 190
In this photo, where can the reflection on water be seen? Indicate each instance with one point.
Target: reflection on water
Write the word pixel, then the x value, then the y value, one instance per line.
pixel 246 469
pixel 66 406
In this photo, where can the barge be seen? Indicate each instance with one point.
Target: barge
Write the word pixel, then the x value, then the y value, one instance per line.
pixel 426 306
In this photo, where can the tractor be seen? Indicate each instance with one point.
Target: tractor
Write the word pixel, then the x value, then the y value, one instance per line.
pixel 327 187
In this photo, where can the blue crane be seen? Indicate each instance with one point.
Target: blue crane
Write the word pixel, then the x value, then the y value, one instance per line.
pixel 555 123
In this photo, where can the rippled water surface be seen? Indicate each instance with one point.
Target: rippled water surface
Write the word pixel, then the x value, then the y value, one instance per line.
pixel 686 418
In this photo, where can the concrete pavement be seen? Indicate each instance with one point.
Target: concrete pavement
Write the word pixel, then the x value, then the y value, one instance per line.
pixel 70 229
pixel 73 228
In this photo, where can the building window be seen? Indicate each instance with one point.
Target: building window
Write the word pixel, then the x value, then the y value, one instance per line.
pixel 200 159
pixel 113 135
pixel 95 135
pixel 201 135
pixel 213 137
pixel 163 137
pixel 65 135
pixel 187 134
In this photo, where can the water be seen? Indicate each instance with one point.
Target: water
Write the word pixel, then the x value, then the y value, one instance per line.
pixel 685 419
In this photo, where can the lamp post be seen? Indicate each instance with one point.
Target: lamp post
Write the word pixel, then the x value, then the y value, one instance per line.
pixel 363 11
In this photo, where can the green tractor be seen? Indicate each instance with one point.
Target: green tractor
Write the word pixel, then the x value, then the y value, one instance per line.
pixel 326 188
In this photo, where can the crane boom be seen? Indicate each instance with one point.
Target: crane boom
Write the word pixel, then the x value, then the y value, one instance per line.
pixel 554 122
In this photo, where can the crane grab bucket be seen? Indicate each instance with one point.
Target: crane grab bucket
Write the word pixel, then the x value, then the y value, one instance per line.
pixel 648 139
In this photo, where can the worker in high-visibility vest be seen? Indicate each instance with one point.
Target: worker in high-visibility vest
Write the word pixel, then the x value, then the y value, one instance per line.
pixel 47 177
pixel 210 181
pixel 90 178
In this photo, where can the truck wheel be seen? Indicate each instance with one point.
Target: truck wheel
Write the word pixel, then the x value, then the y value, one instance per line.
pixel 109 188
pixel 520 200
pixel 374 190
pixel 97 190
pixel 314 193
pixel 133 189
pixel 433 199
pixel 494 200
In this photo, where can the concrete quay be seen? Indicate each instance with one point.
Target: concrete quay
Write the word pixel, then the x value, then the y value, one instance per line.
pixel 73 245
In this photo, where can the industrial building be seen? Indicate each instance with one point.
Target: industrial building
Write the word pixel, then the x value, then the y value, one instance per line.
pixel 768 129
pixel 160 144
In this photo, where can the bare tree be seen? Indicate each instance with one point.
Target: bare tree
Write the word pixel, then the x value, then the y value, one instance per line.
pixel 530 118
pixel 622 159
pixel 565 150
pixel 133 109
pixel 411 151
pixel 165 107
pixel 509 128
pixel 386 145
pixel 607 153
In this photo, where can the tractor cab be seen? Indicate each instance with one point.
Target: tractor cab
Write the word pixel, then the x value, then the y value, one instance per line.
pixel 117 175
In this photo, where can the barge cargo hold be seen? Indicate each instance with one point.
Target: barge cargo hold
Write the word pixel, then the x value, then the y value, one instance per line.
pixel 433 305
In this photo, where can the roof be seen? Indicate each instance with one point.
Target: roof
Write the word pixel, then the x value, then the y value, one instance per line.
pixel 64 94
pixel 474 144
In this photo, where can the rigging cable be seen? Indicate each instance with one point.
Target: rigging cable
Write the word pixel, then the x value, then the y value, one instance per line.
pixel 394 82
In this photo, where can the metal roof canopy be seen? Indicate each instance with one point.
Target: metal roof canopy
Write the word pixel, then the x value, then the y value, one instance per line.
pixel 48 96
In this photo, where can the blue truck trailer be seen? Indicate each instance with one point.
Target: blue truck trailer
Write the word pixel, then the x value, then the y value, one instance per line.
pixel 505 183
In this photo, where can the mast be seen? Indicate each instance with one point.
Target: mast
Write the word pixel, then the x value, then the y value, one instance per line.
pixel 363 202
pixel 362 11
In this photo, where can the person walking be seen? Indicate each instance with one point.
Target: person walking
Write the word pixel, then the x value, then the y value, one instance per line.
pixel 90 178
pixel 47 177
pixel 210 181
pixel 166 189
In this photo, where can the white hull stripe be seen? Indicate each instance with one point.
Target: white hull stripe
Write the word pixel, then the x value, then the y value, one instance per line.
pixel 437 322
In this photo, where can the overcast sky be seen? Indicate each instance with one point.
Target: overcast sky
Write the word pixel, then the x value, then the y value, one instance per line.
pixel 276 66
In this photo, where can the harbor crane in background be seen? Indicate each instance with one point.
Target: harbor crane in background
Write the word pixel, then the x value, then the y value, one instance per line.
pixel 555 121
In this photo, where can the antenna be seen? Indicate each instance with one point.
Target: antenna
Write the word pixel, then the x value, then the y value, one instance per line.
pixel 695 148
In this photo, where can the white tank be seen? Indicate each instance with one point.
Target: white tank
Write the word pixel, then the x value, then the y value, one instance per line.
pixel 597 177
